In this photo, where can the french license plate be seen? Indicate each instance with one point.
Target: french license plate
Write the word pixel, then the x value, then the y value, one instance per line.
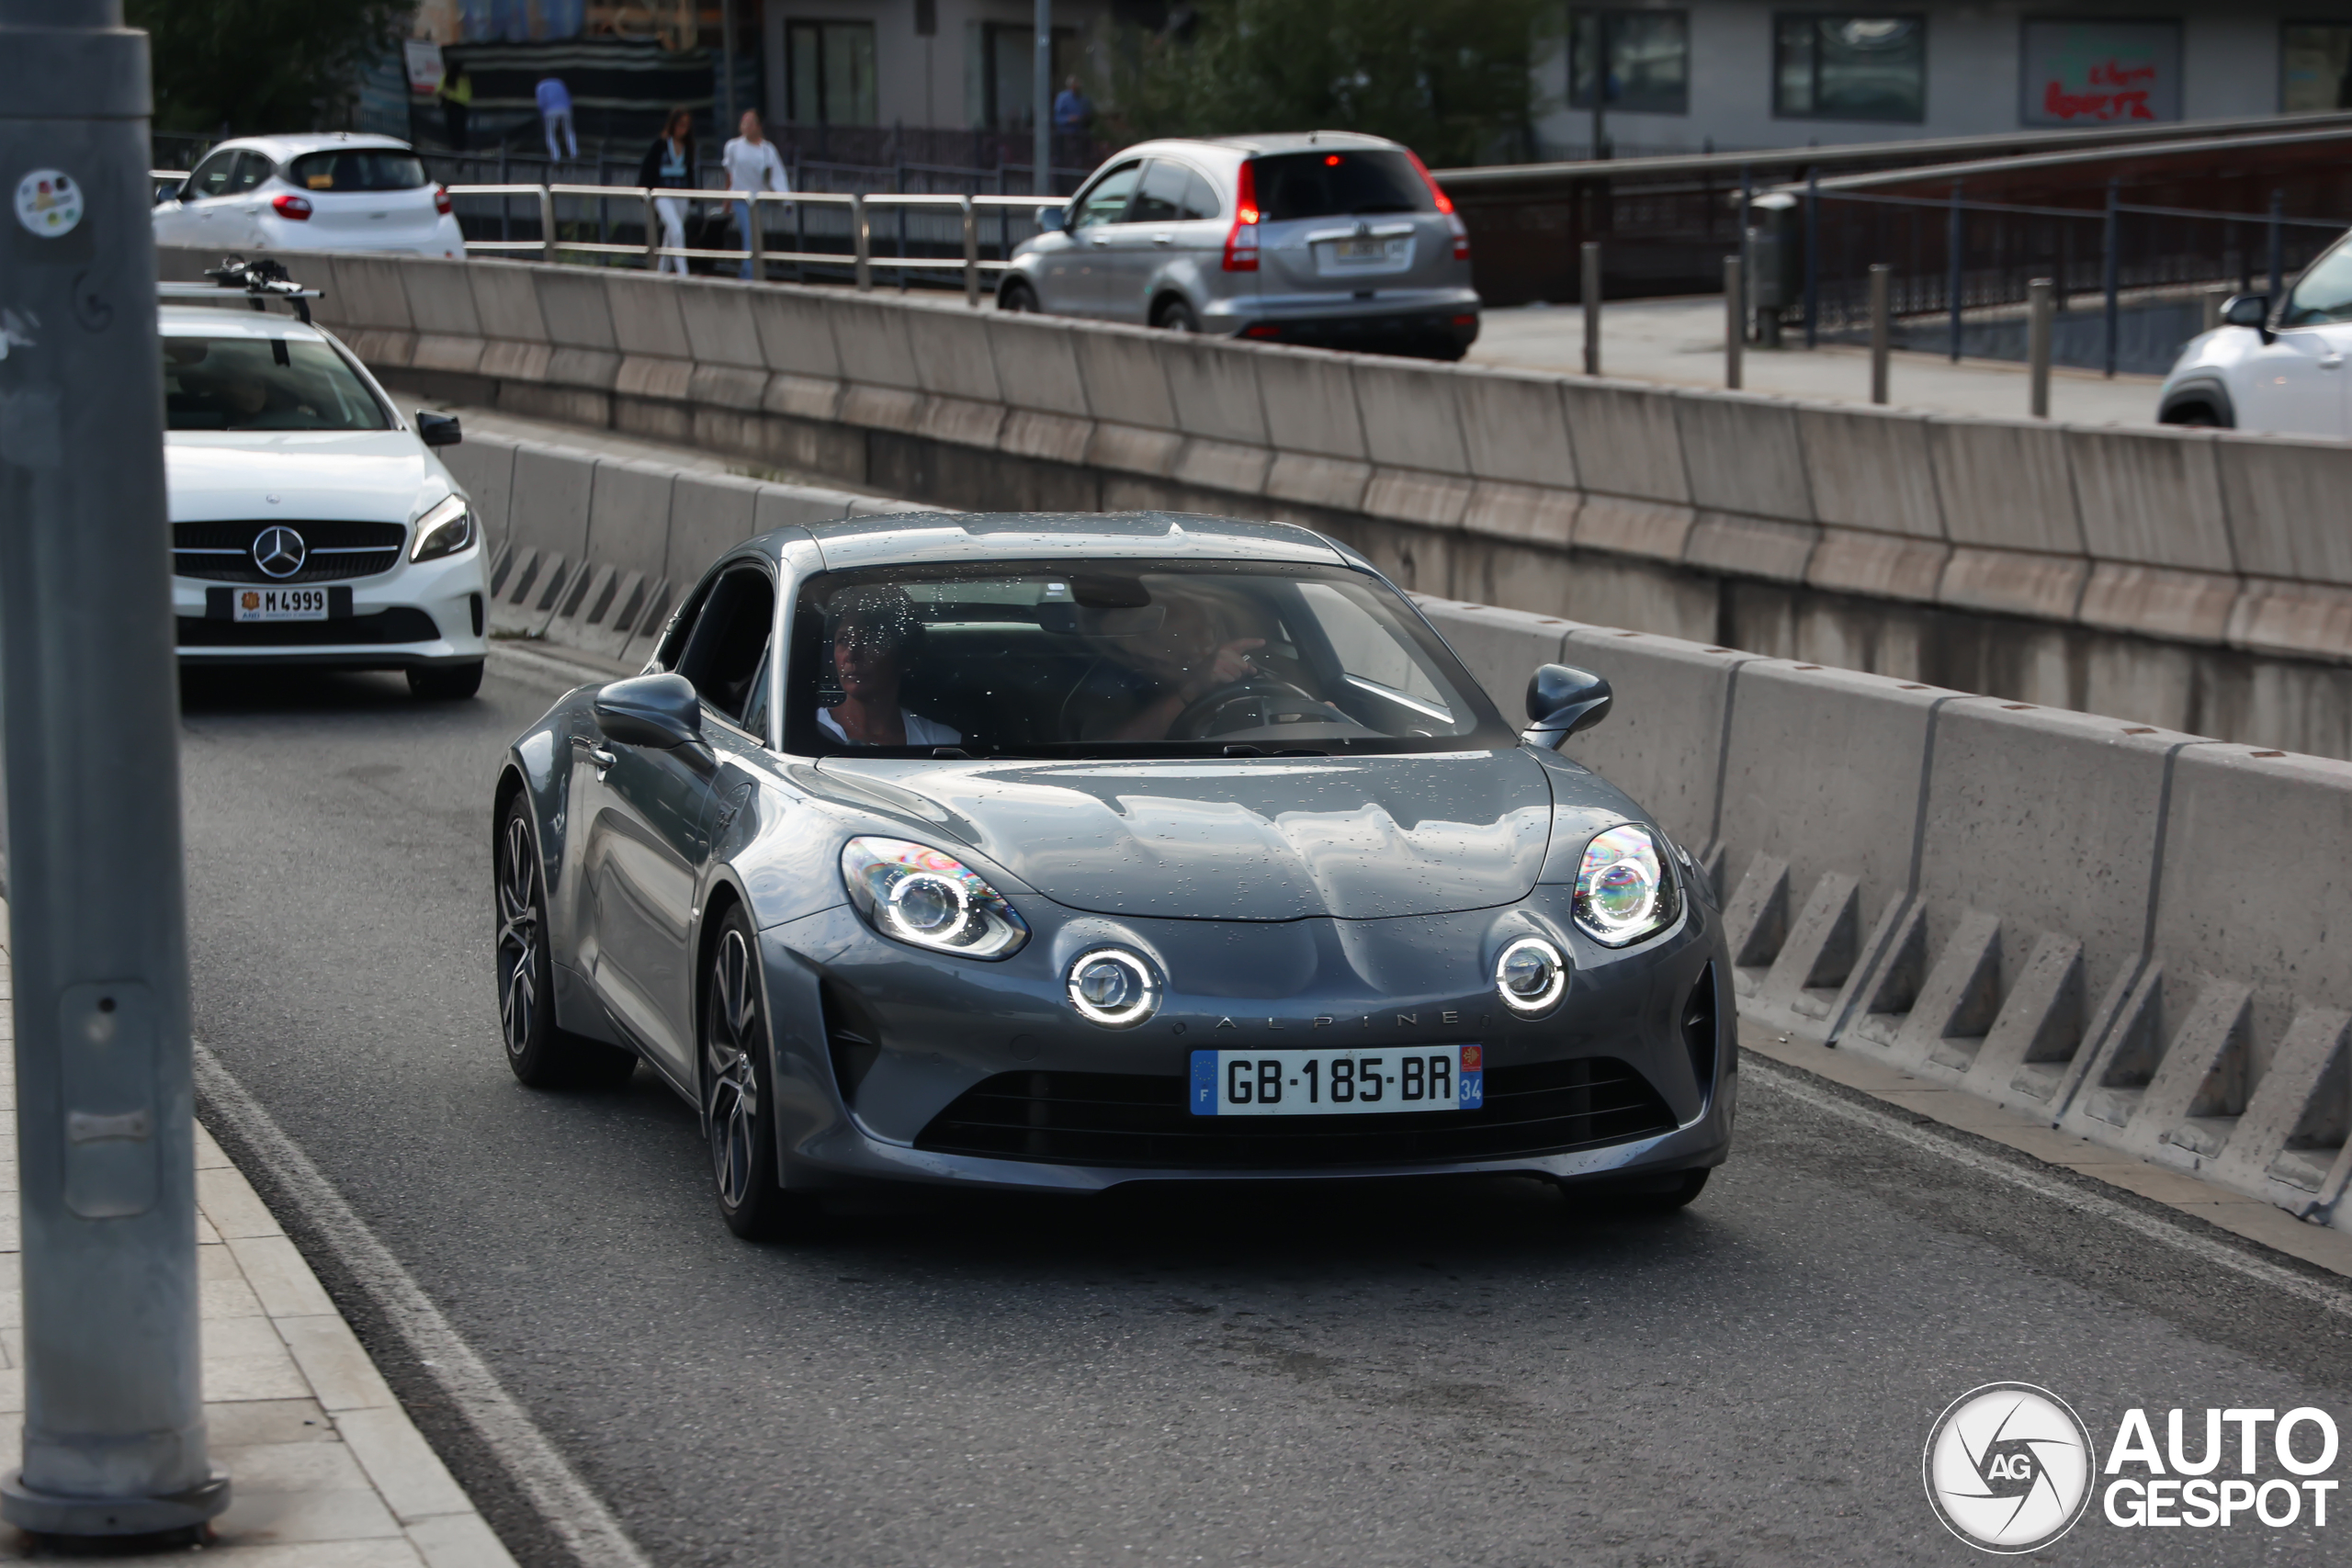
pixel 1337 1083
pixel 1368 255
pixel 279 605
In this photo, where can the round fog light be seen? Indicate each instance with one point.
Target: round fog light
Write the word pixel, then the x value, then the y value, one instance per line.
pixel 1531 976
pixel 1112 988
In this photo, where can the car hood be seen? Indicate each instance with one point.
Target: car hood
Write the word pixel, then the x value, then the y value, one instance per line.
pixel 1276 839
pixel 378 476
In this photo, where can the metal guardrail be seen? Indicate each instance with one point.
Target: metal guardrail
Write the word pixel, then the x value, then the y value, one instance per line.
pixel 860 209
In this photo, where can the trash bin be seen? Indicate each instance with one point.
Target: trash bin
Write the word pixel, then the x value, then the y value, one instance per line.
pixel 1775 260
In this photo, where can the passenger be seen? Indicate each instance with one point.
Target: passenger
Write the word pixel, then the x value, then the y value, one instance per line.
pixel 878 639
pixel 1171 668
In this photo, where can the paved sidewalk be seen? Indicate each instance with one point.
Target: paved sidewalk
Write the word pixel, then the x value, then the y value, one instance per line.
pixel 1681 342
pixel 326 1468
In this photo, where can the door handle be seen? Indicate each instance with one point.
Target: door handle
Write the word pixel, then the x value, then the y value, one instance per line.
pixel 1102 239
pixel 1163 239
pixel 2333 362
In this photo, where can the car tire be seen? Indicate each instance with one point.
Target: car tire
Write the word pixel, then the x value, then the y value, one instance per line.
pixel 1016 296
pixel 1175 316
pixel 539 1053
pixel 738 1088
pixel 446 683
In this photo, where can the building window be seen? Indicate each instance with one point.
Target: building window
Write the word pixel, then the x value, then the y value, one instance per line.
pixel 2093 72
pixel 1850 68
pixel 2315 67
pixel 1004 65
pixel 1648 54
pixel 831 68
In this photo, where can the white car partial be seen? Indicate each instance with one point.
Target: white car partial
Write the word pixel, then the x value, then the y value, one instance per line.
pixel 330 191
pixel 311 523
pixel 2273 370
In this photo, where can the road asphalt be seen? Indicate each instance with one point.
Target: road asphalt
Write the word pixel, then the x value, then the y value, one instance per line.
pixel 1427 1372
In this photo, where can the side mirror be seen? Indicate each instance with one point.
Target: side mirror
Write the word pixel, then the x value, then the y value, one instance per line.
pixel 438 429
pixel 1052 220
pixel 650 710
pixel 2248 310
pixel 1561 701
pixel 170 190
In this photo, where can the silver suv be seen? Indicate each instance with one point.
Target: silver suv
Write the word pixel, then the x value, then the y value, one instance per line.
pixel 1327 237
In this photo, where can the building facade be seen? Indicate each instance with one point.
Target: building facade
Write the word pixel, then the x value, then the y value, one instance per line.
pixel 937 63
pixel 1691 75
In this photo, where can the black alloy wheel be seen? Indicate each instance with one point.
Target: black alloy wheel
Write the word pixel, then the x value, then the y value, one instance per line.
pixel 738 1087
pixel 539 1053
pixel 1175 316
pixel 1016 296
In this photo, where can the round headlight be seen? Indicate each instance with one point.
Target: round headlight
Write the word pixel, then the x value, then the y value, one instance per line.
pixel 914 894
pixel 1625 891
pixel 1530 976
pixel 1113 987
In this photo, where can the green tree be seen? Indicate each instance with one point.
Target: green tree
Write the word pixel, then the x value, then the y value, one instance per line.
pixel 1449 78
pixel 261 65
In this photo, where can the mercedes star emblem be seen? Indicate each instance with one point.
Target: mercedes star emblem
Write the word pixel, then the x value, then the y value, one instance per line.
pixel 279 551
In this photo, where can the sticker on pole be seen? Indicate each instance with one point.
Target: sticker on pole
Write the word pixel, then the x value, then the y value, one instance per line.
pixel 49 203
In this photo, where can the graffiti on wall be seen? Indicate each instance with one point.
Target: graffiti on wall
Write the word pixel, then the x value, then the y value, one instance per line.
pixel 2093 72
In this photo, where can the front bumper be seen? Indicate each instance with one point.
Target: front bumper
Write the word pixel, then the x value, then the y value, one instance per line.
pixel 419 615
pixel 883 1050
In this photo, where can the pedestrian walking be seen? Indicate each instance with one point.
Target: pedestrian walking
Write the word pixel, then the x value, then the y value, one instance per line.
pixel 669 164
pixel 457 98
pixel 555 117
pixel 753 164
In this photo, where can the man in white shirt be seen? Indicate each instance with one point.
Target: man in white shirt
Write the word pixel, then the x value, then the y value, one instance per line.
pixel 753 165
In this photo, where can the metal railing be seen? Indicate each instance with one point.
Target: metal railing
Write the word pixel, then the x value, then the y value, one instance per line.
pixel 961 236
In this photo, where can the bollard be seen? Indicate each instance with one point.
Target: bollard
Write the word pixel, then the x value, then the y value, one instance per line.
pixel 2040 299
pixel 860 241
pixel 971 250
pixel 2213 299
pixel 1735 324
pixel 2110 275
pixel 114 1438
pixel 1881 329
pixel 1590 256
pixel 547 224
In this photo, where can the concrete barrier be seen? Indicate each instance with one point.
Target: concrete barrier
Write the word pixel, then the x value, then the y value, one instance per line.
pixel 1515 435
pixel 1746 473
pixel 1663 741
pixel 484 469
pixel 1311 419
pixel 1412 431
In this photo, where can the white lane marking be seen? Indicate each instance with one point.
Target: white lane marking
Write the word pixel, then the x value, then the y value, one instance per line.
pixel 1780 1080
pixel 572 1512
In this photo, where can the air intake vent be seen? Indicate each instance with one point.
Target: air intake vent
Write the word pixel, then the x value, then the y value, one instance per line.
pixel 852 1037
pixel 1700 1032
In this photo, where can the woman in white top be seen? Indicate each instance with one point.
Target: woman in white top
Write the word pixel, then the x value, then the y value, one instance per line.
pixel 753 165
pixel 878 638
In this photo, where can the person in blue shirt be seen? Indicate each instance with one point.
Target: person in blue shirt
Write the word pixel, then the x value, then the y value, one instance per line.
pixel 1073 113
pixel 555 117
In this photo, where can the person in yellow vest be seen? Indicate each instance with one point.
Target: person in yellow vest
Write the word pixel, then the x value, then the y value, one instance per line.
pixel 457 98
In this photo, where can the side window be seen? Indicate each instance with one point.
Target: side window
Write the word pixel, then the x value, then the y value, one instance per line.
pixel 1200 197
pixel 1106 201
pixel 727 650
pixel 2323 293
pixel 1161 197
pixel 681 626
pixel 252 169
pixel 211 176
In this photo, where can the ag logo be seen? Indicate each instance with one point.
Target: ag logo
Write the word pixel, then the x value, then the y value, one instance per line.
pixel 2008 1467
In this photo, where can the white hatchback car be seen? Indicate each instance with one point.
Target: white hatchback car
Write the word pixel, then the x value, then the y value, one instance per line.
pixel 337 191
pixel 310 524
pixel 2280 372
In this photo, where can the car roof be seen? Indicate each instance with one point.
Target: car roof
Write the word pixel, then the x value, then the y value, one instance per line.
pixel 1299 141
pixel 925 537
pixel 232 318
pixel 280 148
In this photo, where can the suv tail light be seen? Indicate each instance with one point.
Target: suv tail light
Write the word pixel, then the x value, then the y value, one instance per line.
pixel 1445 205
pixel 441 202
pixel 1242 240
pixel 297 207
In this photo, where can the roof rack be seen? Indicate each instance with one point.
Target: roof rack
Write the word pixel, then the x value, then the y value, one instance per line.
pixel 261 280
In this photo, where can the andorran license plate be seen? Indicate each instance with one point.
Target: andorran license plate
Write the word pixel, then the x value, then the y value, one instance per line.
pixel 1337 1083
pixel 279 605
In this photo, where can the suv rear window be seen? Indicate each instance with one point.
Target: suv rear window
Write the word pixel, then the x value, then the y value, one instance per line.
pixel 356 168
pixel 1340 184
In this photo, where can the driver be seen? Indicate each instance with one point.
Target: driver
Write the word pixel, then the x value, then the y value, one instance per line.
pixel 878 639
pixel 1180 662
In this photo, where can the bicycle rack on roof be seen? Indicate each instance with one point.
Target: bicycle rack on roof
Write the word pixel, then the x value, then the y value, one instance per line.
pixel 261 280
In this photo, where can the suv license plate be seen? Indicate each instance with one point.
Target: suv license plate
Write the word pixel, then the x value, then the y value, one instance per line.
pixel 1367 255
pixel 1337 1083
pixel 279 605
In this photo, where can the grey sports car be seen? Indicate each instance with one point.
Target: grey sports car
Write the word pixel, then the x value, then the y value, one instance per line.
pixel 1056 853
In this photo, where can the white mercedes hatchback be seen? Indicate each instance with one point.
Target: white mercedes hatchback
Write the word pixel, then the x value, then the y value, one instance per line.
pixel 312 525
pixel 337 191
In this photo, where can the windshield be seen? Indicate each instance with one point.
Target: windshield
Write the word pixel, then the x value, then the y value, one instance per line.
pixel 263 383
pixel 1077 658
pixel 1341 185
pixel 356 168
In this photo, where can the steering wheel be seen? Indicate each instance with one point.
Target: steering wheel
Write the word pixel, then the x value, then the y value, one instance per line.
pixel 1198 719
